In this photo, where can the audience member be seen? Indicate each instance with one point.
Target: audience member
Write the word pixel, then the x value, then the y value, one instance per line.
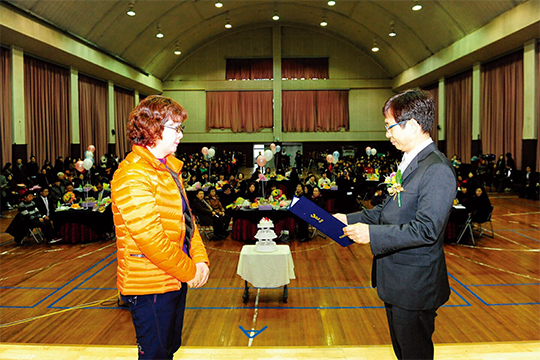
pixel 33 218
pixel 208 216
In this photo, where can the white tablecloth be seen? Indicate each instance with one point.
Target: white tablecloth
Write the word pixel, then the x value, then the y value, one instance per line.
pixel 273 269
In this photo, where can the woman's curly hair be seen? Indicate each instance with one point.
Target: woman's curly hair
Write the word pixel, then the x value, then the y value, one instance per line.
pixel 145 124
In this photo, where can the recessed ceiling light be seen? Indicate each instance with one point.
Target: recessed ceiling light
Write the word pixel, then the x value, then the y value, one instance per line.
pixel 417 6
pixel 331 3
pixel 130 11
pixel 159 33
pixel 218 4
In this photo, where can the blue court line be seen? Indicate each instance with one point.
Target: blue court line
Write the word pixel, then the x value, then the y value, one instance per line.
pixel 482 300
pixel 525 236
pixel 60 288
pixel 51 306
pixel 518 230
pixel 28 288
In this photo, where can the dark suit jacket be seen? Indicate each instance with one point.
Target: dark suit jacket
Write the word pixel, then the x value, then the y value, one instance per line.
pixel 409 269
pixel 41 205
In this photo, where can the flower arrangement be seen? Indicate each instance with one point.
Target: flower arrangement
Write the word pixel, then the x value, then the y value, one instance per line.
pixel 277 195
pixel 393 183
pixel 68 197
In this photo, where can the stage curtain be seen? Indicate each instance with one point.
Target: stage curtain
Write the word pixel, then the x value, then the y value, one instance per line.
pixel 309 111
pixel 46 108
pixel 240 111
pixel 307 68
pixel 502 106
pixel 123 104
pixel 92 115
pixel 458 91
pixel 252 69
pixel 6 126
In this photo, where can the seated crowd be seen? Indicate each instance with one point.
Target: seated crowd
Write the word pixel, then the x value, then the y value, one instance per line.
pixel 37 192
pixel 354 180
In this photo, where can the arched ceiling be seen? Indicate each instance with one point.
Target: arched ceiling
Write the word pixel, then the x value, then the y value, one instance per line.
pixel 190 24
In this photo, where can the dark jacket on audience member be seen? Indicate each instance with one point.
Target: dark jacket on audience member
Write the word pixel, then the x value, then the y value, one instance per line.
pixel 42 207
pixel 479 206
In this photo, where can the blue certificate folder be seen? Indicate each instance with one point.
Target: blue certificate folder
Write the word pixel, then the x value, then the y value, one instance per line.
pixel 319 218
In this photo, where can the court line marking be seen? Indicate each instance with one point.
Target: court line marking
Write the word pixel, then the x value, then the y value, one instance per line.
pixel 525 236
pixel 255 314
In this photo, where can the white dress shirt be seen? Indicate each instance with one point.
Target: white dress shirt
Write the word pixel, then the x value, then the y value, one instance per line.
pixel 408 157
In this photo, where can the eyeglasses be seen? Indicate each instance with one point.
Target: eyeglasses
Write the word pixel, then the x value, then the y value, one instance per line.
pixel 396 124
pixel 179 129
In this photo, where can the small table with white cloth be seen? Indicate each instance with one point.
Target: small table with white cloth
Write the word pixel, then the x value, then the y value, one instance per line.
pixel 266 269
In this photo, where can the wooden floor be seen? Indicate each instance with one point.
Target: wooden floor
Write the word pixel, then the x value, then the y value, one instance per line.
pixel 60 295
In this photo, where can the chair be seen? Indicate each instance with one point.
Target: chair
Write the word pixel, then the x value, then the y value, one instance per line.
pixel 477 224
pixel 207 230
pixel 314 232
pixel 36 234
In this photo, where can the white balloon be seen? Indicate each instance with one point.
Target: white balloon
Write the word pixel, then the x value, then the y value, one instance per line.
pixel 268 155
pixel 211 153
pixel 373 151
pixel 87 163
pixel 335 161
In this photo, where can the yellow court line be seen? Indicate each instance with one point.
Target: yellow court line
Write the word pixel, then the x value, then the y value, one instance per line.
pixel 469 351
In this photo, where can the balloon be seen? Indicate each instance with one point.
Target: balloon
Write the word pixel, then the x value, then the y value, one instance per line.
pixel 330 158
pixel 261 161
pixel 79 166
pixel 368 151
pixel 87 164
pixel 272 146
pixel 88 154
pixel 278 148
pixel 268 154
pixel 373 151
pixel 335 161
pixel 91 148
pixel 211 153
pixel 336 154
pixel 204 150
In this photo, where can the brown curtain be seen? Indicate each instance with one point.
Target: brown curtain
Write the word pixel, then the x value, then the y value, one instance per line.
pixel 5 106
pixel 307 68
pixel 252 69
pixel 309 111
pixel 46 108
pixel 458 90
pixel 299 110
pixel 256 110
pixel 502 106
pixel 93 115
pixel 240 111
pixel 332 110
pixel 538 107
pixel 123 104
pixel 434 91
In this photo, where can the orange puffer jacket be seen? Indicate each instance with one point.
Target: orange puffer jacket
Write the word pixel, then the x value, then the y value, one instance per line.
pixel 150 227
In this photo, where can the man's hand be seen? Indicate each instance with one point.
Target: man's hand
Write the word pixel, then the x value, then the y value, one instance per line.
pixel 359 233
pixel 342 218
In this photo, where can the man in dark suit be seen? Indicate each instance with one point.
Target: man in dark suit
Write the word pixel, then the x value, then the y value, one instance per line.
pixel 43 203
pixel 406 232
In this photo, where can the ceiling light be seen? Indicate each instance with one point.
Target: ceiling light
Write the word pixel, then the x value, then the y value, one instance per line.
pixel 323 22
pixel 417 6
pixel 331 3
pixel 159 34
pixel 375 48
pixel 228 24
pixel 392 32
pixel 276 16
pixel 130 11
pixel 177 50
pixel 218 4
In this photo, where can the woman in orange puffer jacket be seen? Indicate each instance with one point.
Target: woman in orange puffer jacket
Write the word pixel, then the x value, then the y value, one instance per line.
pixel 160 250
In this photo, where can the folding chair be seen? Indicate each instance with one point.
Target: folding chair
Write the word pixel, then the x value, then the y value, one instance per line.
pixel 314 232
pixel 36 234
pixel 208 230
pixel 477 224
